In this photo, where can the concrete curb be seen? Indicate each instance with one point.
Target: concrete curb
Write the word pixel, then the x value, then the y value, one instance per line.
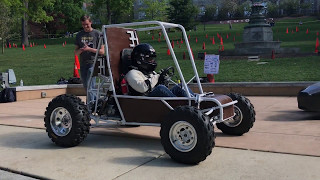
pixel 245 88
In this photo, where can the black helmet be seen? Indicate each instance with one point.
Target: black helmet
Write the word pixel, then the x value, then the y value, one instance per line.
pixel 144 58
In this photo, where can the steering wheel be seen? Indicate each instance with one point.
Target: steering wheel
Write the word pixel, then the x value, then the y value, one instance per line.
pixel 166 75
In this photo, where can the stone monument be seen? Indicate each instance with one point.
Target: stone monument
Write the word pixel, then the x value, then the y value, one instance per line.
pixel 258 35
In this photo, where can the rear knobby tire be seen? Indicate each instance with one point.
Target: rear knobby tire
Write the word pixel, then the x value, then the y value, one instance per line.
pixel 187 135
pixel 244 118
pixel 67 120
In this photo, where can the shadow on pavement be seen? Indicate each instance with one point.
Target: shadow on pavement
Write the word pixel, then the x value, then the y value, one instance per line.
pixel 294 116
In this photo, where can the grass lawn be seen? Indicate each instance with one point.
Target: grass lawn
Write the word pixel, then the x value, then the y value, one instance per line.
pixel 38 66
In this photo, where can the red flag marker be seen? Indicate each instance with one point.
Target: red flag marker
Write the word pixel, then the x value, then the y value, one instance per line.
pixel 317 46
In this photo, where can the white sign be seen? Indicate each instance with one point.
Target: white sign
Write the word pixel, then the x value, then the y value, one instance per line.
pixel 211 64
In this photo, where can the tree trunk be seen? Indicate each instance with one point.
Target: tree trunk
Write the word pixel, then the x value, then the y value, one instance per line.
pixel 108 11
pixel 24 24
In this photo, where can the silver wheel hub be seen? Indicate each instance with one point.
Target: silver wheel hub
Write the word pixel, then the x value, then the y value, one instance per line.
pixel 60 121
pixel 183 136
pixel 236 120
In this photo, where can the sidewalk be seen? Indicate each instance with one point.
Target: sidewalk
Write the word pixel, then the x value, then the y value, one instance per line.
pixel 284 143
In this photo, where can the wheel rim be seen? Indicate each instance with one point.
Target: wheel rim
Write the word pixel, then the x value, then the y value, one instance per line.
pixel 183 136
pixel 236 120
pixel 61 121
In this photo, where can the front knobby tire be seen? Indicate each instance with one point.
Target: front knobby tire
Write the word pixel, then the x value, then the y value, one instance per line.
pixel 187 135
pixel 67 120
pixel 243 121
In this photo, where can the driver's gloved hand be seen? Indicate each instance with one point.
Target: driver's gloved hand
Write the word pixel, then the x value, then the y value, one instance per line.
pixel 163 76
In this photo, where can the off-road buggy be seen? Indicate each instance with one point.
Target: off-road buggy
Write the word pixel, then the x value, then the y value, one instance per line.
pixel 187 123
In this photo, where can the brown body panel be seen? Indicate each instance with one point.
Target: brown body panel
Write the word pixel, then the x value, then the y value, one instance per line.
pixel 154 110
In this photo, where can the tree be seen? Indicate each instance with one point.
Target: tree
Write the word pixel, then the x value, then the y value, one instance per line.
pixel 210 11
pixel 228 9
pixel 66 15
pixel 182 12
pixel 5 20
pixel 33 11
pixel 111 11
pixel 272 9
pixel 243 9
pixel 290 6
pixel 29 11
pixel 155 10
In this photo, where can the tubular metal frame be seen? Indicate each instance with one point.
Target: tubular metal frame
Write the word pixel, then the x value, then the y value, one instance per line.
pixel 155 25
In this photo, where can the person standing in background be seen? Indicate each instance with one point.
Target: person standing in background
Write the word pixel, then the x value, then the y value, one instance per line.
pixel 86 48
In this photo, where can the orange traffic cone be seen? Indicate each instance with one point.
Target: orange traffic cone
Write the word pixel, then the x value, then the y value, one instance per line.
pixel 76 61
pixel 272 55
pixel 44 46
pixel 76 72
pixel 213 42
pixel 210 78
pixel 287 30
pixel 76 67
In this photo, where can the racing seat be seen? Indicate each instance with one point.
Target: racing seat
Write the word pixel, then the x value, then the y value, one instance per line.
pixel 120 44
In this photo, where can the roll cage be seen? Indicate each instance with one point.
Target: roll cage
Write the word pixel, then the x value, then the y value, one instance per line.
pixel 106 72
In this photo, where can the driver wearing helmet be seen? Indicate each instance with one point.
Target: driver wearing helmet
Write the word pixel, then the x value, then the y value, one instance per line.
pixel 142 78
